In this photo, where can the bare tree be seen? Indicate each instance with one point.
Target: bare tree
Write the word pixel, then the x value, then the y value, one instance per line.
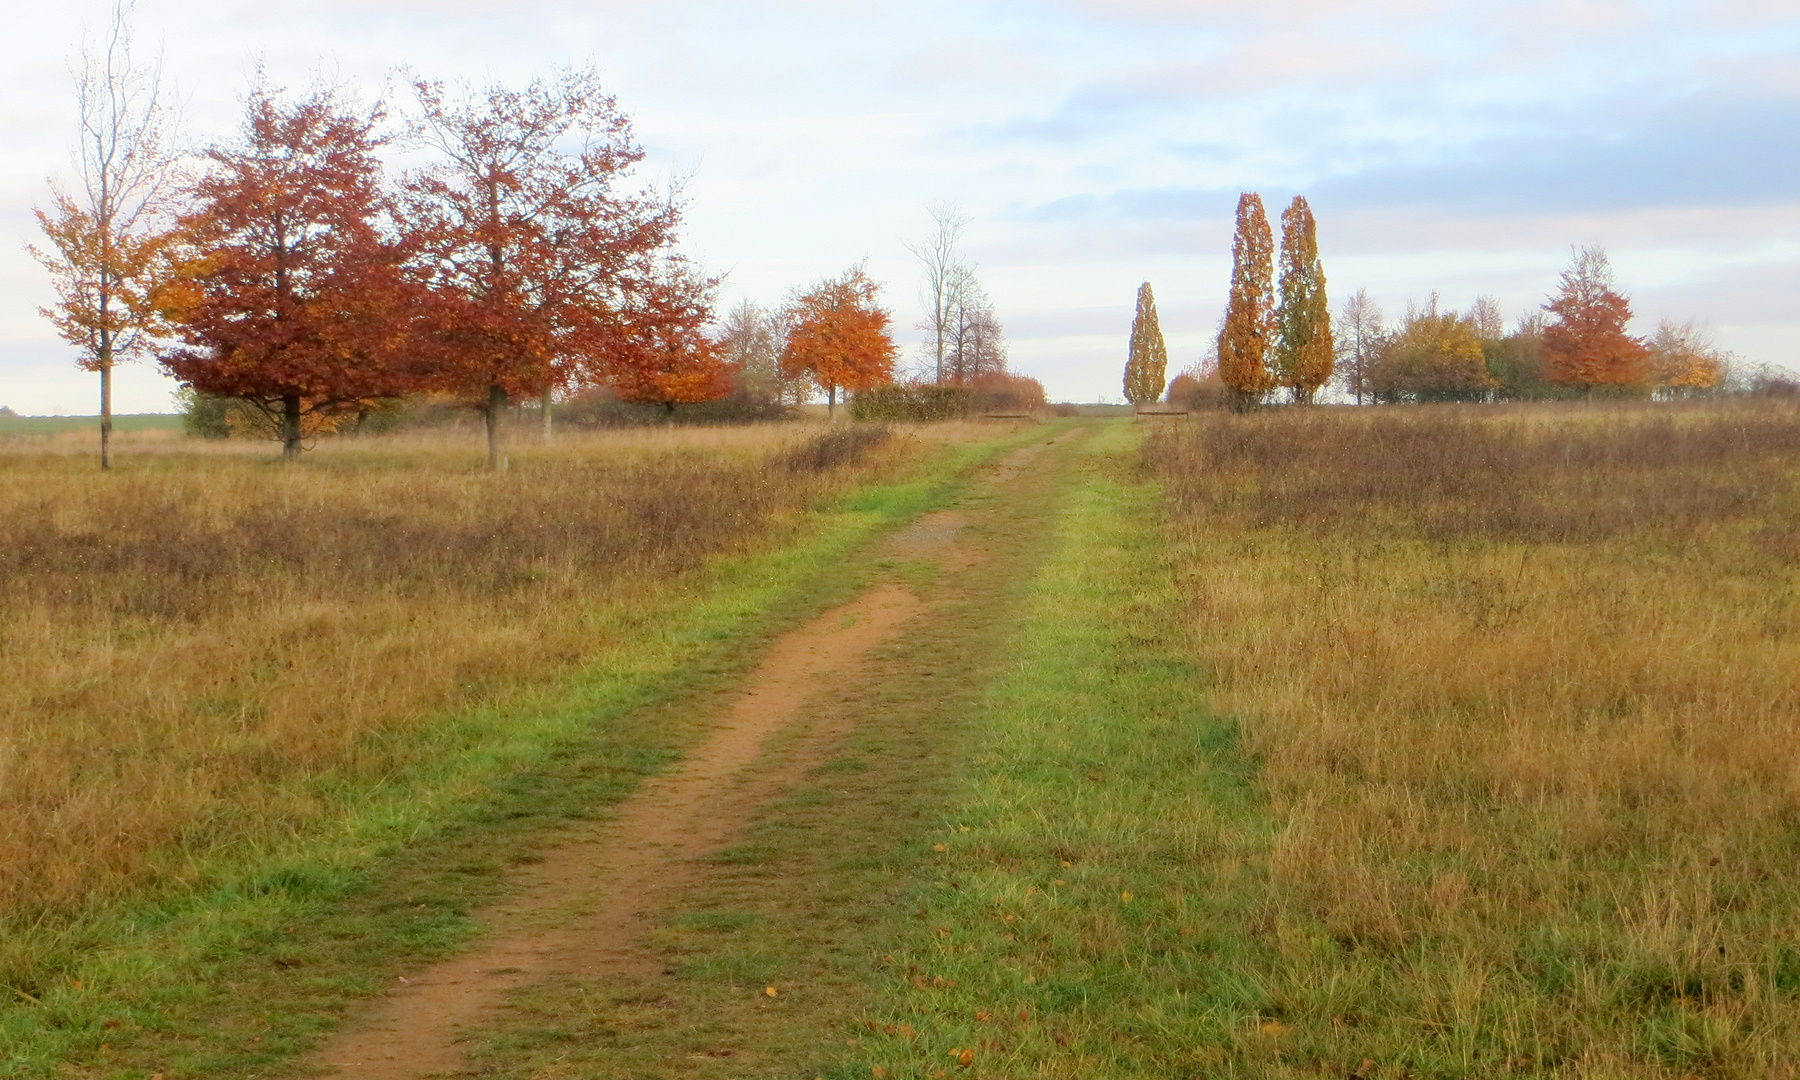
pixel 973 342
pixel 104 234
pixel 1359 334
pixel 750 343
pixel 938 258
pixel 1485 315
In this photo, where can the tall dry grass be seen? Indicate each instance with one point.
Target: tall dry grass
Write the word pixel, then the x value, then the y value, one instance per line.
pixel 1524 684
pixel 194 648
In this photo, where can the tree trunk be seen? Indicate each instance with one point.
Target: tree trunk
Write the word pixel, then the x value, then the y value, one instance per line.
pixel 496 416
pixel 290 427
pixel 546 407
pixel 1303 395
pixel 831 402
pixel 105 415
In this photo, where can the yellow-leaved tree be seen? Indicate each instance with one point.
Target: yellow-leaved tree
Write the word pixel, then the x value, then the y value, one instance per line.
pixel 1148 358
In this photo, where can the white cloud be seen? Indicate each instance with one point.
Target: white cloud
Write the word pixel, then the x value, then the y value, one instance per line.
pixel 1449 145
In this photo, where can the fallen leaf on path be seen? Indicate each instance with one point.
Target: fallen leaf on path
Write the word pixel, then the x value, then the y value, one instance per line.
pixel 1274 1027
pixel 770 990
pixel 940 847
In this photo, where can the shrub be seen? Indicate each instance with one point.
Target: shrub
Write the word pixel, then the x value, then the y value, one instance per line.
pixel 1003 392
pixel 204 415
pixel 924 401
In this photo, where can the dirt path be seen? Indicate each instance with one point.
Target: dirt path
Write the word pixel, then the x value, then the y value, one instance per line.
pixel 577 913
pixel 582 911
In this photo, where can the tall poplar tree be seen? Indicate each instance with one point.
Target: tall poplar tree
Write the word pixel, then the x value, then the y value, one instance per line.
pixel 1149 358
pixel 1249 315
pixel 1303 352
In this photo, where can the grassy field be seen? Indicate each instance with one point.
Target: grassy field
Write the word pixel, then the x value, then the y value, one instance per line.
pixel 231 685
pixel 1523 687
pixel 124 423
pixel 1372 743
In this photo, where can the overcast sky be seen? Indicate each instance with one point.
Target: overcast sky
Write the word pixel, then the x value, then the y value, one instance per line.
pixel 1457 147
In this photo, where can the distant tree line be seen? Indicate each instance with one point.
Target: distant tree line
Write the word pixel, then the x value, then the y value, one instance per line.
pixel 285 272
pixel 1280 335
pixel 1275 332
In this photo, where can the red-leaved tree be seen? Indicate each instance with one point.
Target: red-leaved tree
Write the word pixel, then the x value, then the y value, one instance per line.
pixel 286 294
pixel 1587 345
pixel 529 252
pixel 838 336
pixel 664 356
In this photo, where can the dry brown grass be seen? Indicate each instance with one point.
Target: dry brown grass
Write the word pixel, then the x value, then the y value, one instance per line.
pixel 1524 684
pixel 195 648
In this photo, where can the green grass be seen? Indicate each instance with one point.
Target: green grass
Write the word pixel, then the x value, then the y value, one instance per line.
pixel 56 425
pixel 1032 847
pixel 1085 911
pixel 249 969
pixel 812 894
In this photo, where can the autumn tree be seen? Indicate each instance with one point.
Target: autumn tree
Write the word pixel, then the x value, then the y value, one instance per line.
pixel 1358 335
pixel 1303 351
pixel 107 232
pixel 1516 361
pixel 287 295
pixel 838 336
pixel 1586 345
pixel 1683 361
pixel 1147 359
pixel 1433 356
pixel 1249 314
pixel 663 354
pixel 528 249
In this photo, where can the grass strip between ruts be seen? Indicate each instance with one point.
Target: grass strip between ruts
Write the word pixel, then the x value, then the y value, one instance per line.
pixel 234 978
pixel 1082 914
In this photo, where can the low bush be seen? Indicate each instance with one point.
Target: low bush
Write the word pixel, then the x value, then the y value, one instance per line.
pixel 921 402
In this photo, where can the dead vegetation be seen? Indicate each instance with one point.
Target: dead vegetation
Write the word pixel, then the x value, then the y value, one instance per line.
pixel 197 648
pixel 1524 685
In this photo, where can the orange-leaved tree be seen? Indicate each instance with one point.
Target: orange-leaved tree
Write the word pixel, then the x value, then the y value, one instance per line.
pixel 1304 355
pixel 1249 313
pixel 837 334
pixel 528 250
pixel 663 355
pixel 1586 345
pixel 107 233
pixel 286 292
